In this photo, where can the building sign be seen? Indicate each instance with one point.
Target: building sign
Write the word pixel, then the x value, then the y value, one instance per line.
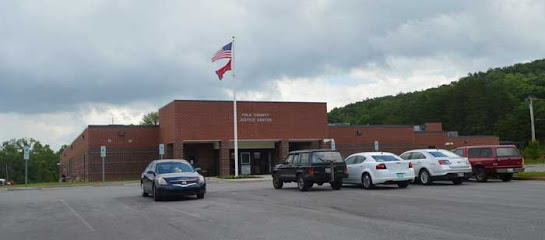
pixel 255 118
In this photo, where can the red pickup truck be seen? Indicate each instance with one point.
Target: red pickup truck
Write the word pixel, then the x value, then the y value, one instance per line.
pixel 493 161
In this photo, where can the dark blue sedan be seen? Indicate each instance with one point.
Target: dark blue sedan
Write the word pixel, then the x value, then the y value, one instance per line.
pixel 172 177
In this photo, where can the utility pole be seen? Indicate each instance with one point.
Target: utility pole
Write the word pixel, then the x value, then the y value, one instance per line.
pixel 532 118
pixel 7 174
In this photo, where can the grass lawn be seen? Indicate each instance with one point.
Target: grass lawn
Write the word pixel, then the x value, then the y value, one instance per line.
pixel 67 184
pixel 238 177
pixel 530 174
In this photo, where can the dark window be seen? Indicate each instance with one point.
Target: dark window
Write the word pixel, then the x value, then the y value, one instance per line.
pixel 305 158
pixel 289 159
pixel 173 167
pixel 507 152
pixel 351 160
pixel 360 159
pixel 459 152
pixel 405 156
pixel 480 152
pixel 417 155
pixel 296 159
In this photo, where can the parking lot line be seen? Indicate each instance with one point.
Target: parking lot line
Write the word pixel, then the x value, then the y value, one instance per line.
pixel 77 215
pixel 190 214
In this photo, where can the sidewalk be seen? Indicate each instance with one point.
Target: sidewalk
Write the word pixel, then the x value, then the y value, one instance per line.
pixel 534 168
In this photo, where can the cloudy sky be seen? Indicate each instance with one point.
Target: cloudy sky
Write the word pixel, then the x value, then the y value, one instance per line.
pixel 68 64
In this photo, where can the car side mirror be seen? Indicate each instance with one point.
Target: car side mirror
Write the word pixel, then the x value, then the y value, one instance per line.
pixel 198 169
pixel 151 173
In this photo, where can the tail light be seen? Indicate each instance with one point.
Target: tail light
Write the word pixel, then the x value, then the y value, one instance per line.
pixel 345 169
pixel 381 166
pixel 444 162
pixel 410 165
pixel 311 171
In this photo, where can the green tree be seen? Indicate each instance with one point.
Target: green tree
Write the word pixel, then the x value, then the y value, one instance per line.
pixel 42 166
pixel 491 102
pixel 151 118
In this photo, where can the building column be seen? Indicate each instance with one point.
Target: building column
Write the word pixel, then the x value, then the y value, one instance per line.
pixel 284 150
pixel 178 152
pixel 225 156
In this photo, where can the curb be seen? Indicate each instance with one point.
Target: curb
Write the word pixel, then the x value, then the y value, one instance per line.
pixel 529 178
pixel 248 180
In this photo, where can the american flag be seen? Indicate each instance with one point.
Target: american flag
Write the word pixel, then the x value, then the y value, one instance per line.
pixel 224 52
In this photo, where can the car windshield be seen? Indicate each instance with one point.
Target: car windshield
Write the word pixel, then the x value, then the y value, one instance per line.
pixel 320 157
pixel 385 158
pixel 173 167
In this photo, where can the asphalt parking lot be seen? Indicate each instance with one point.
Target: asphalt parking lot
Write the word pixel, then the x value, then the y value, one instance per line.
pixel 494 210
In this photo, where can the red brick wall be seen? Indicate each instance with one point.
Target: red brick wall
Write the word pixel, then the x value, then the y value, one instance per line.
pixel 394 139
pixel 472 140
pixel 213 120
pixel 427 139
pixel 167 127
pixel 398 139
pixel 126 156
pixel 74 159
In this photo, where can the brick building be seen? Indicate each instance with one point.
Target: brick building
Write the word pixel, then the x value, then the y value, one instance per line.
pixel 202 132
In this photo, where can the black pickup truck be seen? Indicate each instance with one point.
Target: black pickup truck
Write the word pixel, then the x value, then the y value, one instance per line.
pixel 307 167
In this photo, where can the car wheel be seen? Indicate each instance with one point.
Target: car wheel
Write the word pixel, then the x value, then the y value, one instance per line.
pixel 480 174
pixel 301 183
pixel 337 184
pixel 506 177
pixel 144 193
pixel 425 177
pixel 457 181
pixel 200 195
pixel 367 181
pixel 277 182
pixel 156 196
pixel 403 184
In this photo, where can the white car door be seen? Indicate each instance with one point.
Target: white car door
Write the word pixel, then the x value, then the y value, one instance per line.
pixel 407 157
pixel 419 161
pixel 359 167
pixel 352 168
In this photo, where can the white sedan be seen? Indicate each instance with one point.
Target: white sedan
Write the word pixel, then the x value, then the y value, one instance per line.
pixel 371 168
pixel 438 164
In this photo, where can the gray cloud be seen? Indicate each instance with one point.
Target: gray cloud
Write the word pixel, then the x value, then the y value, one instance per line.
pixel 55 56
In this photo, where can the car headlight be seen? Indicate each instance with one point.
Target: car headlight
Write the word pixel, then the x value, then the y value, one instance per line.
pixel 201 178
pixel 161 181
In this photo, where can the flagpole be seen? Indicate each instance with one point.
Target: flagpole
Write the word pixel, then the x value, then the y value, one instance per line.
pixel 235 105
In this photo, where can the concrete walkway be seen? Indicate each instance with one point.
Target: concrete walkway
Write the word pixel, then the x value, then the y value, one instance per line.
pixel 534 168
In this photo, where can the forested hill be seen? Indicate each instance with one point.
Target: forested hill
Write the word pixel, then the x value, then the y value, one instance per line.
pixel 492 102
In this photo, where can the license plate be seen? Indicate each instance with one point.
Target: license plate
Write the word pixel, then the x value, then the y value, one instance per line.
pixel 460 174
pixel 328 170
pixel 400 175
pixel 510 170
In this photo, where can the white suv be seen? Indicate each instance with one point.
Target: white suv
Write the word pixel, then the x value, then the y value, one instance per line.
pixel 438 164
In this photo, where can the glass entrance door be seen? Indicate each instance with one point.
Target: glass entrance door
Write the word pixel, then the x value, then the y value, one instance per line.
pixel 245 163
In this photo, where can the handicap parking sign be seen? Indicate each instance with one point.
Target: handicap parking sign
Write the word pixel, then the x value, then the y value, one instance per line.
pixel 102 151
